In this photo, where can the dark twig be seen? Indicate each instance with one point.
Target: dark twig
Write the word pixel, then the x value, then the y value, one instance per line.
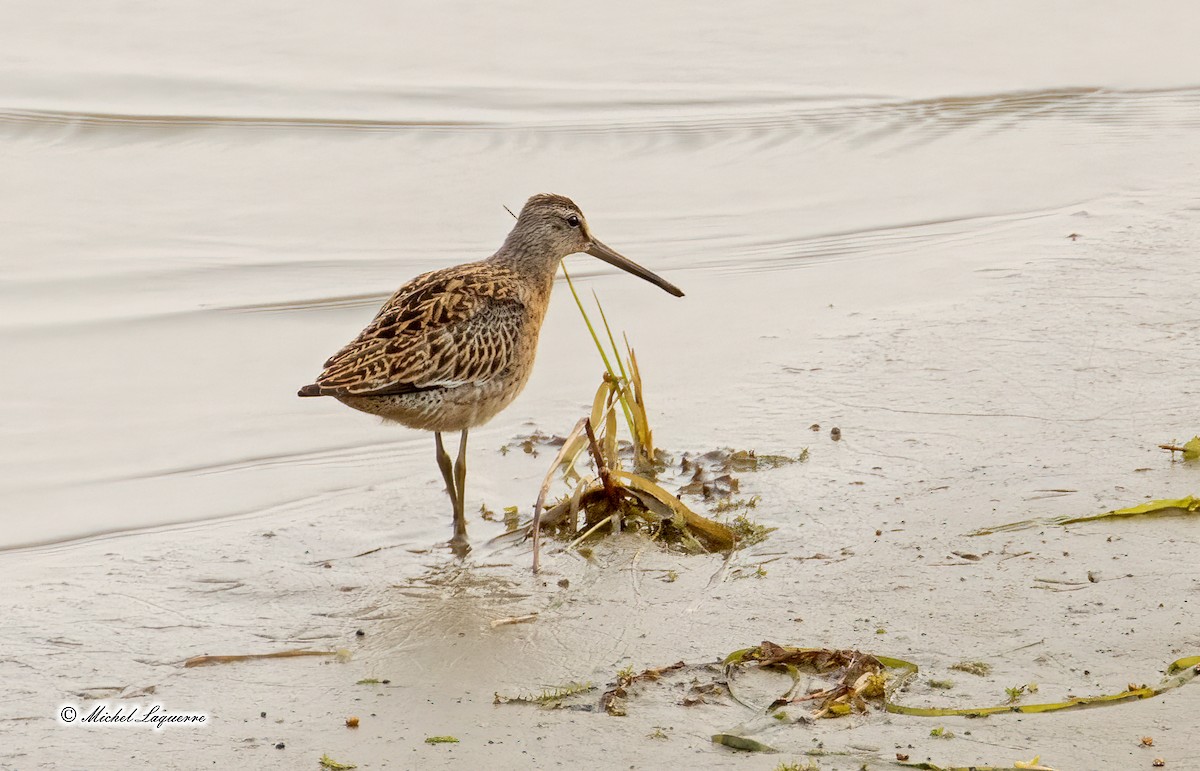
pixel 602 467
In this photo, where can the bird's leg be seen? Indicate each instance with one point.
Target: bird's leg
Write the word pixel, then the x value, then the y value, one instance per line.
pixel 459 542
pixel 443 461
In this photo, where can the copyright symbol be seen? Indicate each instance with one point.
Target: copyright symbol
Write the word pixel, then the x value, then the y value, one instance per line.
pixel 67 714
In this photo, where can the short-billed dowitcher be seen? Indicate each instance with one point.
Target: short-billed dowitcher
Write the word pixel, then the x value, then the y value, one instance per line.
pixel 453 347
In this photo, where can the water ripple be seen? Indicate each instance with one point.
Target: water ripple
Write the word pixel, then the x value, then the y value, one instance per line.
pixel 699 121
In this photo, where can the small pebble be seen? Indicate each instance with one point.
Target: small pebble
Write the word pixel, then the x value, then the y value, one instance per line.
pixel 352 722
pixel 564 582
pixel 279 746
pixel 360 633
pixel 262 714
pixel 835 433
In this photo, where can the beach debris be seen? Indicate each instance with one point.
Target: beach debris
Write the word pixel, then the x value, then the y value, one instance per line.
pixel 1190 449
pixel 1164 507
pixel 859 679
pixel 332 765
pixel 697 692
pixel 533 443
pixel 642 503
pixel 854 680
pixel 203 661
pixel 441 740
pixel 853 676
pixel 613 700
pixel 848 682
pixel 742 743
pixel 625 491
pixel 550 698
pixel 736 504
pixel 615 498
pixel 514 620
pixel 1179 672
pixel 352 722
pixel 728 459
pixel 1017 692
pixel 977 668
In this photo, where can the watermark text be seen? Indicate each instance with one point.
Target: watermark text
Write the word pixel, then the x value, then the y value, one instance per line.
pixel 103 713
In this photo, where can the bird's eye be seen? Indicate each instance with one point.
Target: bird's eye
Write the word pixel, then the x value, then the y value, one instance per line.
pixel 573 221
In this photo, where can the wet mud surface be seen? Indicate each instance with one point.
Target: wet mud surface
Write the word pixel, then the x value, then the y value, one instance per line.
pixel 983 278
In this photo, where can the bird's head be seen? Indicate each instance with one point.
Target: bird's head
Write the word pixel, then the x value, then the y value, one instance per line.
pixel 550 227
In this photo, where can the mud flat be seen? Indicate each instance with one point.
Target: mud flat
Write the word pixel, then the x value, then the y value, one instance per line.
pixel 1038 389
pixel 974 255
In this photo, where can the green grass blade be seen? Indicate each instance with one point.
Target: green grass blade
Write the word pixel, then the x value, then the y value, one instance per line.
pixel 611 341
pixel 588 321
pixel 600 348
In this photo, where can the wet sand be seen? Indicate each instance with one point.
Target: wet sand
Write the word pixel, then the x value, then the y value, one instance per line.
pixel 884 249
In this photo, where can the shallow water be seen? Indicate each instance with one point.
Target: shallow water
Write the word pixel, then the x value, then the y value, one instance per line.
pixel 870 218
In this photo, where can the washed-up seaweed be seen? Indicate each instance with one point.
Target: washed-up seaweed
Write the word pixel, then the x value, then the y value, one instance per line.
pixel 855 687
pixel 854 677
pixel 617 498
pixel 1165 507
pixel 855 682
pixel 548 698
pixel 613 700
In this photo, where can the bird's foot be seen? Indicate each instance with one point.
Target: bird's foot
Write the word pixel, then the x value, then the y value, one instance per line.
pixel 460 546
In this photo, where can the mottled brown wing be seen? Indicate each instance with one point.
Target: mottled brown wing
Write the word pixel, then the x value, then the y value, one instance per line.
pixel 443 329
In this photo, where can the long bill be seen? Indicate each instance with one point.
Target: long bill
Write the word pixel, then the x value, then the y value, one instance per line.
pixel 602 252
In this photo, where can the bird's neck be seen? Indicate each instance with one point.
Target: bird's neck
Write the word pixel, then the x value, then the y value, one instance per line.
pixel 537 265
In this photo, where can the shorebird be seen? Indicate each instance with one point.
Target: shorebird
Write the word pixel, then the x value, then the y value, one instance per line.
pixel 454 347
